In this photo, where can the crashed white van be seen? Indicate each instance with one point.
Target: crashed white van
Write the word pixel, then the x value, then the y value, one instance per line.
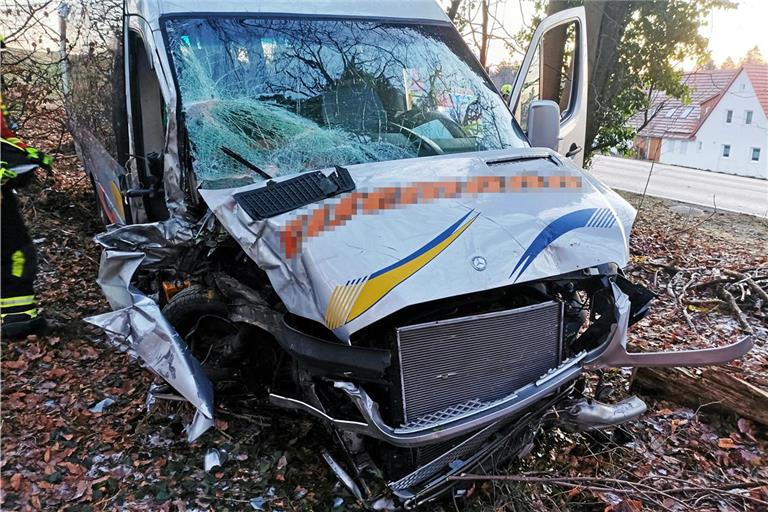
pixel 330 202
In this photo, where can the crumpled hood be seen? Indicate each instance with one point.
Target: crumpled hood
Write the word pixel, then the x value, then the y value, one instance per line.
pixel 423 229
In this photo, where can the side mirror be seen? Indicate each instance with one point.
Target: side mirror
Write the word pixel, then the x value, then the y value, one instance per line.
pixel 544 124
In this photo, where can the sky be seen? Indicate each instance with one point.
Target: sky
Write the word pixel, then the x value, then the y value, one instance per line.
pixel 731 32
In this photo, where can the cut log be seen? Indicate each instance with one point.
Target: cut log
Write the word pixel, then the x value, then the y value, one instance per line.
pixel 722 388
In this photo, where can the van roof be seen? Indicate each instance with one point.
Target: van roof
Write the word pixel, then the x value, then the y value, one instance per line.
pixel 151 10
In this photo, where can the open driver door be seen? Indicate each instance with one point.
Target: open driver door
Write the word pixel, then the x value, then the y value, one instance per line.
pixel 555 70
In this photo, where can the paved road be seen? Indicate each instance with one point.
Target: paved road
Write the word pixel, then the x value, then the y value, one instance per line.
pixel 732 193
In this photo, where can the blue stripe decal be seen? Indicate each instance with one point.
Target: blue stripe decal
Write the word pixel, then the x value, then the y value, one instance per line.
pixel 439 238
pixel 588 217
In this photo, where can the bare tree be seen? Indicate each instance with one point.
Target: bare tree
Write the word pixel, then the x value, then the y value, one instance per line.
pixel 479 22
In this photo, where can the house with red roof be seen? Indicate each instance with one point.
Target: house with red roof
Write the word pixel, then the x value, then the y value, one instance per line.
pixel 723 128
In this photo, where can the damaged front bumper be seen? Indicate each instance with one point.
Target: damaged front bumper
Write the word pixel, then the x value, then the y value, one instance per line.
pixel 459 420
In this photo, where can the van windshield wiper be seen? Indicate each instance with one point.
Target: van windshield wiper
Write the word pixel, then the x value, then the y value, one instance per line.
pixel 236 157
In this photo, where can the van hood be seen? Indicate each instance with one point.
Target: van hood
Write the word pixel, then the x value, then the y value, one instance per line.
pixel 422 229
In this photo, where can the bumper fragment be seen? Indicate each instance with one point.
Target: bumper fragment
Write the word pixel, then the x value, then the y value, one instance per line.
pixel 613 354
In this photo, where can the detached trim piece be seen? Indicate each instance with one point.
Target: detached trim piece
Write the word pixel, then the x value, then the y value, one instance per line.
pixel 334 359
pixel 615 354
pixel 284 196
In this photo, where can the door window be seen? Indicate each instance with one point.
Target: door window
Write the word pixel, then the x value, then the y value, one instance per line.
pixel 550 75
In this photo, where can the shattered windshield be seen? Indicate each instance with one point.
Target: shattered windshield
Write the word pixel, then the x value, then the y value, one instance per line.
pixel 289 95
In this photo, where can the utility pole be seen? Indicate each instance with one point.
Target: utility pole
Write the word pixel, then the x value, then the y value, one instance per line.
pixel 63 11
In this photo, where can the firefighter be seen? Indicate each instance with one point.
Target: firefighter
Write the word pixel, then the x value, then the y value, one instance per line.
pixel 506 92
pixel 18 261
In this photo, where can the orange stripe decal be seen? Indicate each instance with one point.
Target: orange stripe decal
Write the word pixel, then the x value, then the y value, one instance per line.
pixel 336 212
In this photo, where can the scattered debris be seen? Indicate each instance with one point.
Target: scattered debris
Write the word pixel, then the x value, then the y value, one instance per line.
pixel 212 459
pixel 100 406
pixel 385 504
pixel 258 503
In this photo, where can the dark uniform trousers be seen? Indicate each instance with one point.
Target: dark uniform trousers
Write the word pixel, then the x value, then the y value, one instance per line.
pixel 18 260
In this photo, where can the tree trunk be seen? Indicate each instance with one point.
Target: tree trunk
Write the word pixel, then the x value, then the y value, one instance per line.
pixel 721 388
pixel 606 22
pixel 551 55
pixel 484 35
pixel 453 9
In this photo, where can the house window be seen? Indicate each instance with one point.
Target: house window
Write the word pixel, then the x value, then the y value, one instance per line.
pixel 700 145
pixel 726 150
pixel 671 112
pixel 686 112
pixel 728 116
pixel 748 117
pixel 755 154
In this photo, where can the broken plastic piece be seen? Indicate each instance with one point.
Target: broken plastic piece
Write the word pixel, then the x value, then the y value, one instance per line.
pixel 212 459
pixel 385 504
pixel 588 415
pixel 343 476
pixel 200 424
pixel 281 197
pixel 99 407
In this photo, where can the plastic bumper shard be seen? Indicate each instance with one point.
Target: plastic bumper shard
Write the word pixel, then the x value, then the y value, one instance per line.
pixel 613 354
pixel 138 326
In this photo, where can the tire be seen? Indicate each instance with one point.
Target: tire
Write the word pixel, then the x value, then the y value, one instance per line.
pixel 189 305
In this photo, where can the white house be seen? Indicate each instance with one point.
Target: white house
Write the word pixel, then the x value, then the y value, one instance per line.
pixel 724 128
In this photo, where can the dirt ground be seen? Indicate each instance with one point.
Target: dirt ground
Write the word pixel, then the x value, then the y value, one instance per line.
pixel 58 455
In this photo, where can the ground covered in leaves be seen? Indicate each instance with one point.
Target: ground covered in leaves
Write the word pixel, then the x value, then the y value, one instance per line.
pixel 59 454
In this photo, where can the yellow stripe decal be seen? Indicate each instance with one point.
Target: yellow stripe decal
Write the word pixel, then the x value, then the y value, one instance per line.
pixel 351 300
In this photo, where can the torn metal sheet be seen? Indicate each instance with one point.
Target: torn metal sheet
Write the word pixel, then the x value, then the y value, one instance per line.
pixel 100 406
pixel 199 425
pixel 137 324
pixel 211 460
pixel 470 222
pixel 161 242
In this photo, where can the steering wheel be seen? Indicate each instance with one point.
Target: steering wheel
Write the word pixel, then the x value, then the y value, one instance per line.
pixel 423 142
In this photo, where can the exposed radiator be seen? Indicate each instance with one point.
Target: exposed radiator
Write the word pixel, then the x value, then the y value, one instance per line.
pixel 479 358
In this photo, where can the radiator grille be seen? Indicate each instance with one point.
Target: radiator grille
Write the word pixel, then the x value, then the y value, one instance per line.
pixel 481 357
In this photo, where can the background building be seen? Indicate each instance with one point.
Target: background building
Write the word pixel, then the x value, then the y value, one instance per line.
pixel 724 128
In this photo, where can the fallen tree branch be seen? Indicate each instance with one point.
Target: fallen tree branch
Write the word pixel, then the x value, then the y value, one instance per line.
pixel 751 282
pixel 710 282
pixel 725 388
pixel 738 313
pixel 637 486
pixel 640 488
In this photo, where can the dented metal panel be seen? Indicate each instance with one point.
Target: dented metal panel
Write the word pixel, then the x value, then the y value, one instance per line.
pixel 138 326
pixel 410 231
